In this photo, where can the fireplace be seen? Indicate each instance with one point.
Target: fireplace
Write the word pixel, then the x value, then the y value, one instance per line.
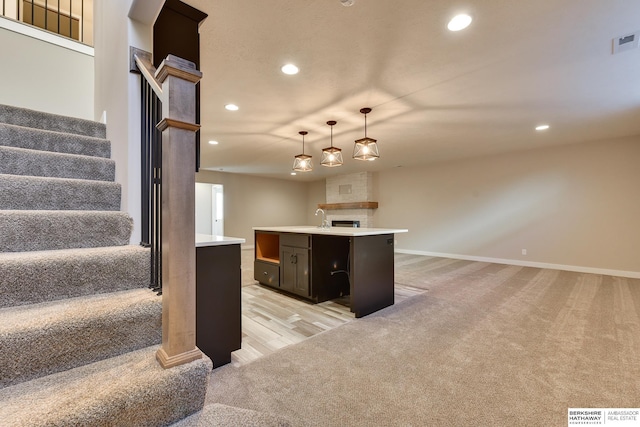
pixel 345 223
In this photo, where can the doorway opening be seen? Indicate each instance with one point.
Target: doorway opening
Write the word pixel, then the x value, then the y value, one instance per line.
pixel 209 209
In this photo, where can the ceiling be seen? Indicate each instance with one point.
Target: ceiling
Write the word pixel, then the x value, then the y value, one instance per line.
pixel 435 95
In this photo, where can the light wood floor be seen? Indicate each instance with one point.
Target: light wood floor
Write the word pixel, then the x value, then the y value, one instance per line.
pixel 271 320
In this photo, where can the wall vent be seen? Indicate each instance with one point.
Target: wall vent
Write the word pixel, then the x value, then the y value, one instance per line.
pixel 626 42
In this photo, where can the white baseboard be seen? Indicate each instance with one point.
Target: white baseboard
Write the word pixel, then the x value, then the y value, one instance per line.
pixel 579 269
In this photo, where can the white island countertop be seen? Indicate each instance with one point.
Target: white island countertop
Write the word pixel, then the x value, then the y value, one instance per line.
pixel 203 240
pixel 333 231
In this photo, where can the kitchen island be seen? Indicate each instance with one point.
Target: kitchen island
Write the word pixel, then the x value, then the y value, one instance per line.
pixel 320 264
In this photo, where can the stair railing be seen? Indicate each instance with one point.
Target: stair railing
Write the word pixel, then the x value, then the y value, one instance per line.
pixel 151 176
pixel 173 83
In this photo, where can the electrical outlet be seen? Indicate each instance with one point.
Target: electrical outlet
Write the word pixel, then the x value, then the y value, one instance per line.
pixel 524 252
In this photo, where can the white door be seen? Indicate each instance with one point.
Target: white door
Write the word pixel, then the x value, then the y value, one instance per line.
pixel 217 209
pixel 203 209
pixel 209 209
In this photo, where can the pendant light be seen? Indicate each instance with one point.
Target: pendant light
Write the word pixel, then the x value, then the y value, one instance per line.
pixel 302 162
pixel 331 156
pixel 366 148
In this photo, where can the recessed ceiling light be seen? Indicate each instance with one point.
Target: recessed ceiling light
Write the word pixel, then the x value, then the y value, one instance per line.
pixel 290 69
pixel 212 142
pixel 293 173
pixel 232 107
pixel 459 22
pixel 347 3
pixel 542 127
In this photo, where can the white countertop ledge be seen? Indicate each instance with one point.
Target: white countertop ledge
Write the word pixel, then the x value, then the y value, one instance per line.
pixel 333 231
pixel 203 240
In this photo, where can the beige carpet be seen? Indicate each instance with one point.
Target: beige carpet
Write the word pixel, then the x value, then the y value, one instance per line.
pixel 487 345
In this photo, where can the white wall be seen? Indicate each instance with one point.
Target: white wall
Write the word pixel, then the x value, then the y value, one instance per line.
pixel 316 194
pixel 117 92
pixel 253 201
pixel 576 206
pixel 43 76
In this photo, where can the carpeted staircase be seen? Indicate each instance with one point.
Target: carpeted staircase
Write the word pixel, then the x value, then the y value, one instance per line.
pixel 79 327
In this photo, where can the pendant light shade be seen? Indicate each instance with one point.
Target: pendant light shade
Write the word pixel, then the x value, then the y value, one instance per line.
pixel 366 148
pixel 331 156
pixel 302 162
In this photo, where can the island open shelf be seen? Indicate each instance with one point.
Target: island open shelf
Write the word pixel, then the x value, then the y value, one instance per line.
pixel 268 247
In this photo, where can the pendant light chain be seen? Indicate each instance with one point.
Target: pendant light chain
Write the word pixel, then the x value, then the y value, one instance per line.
pixel 331 127
pixel 365 111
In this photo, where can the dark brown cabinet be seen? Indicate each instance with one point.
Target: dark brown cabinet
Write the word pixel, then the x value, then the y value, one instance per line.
pixel 294 263
pixel 295 270
pixel 267 273
pixel 218 302
pixel 283 261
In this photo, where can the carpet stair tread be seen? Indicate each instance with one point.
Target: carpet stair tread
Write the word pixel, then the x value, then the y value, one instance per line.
pixel 36 230
pixel 54 336
pixel 130 389
pixel 48 121
pixel 79 326
pixel 40 276
pixel 21 192
pixel 22 161
pixel 48 140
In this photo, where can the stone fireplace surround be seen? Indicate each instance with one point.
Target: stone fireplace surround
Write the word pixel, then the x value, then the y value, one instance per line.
pixel 350 197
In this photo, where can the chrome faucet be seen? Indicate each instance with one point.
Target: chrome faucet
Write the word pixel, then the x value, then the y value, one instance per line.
pixel 325 222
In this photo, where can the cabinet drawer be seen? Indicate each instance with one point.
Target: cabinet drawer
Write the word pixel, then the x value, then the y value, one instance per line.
pixel 266 273
pixel 296 240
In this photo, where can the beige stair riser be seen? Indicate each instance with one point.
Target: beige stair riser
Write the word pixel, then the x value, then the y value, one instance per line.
pixel 41 276
pixel 44 193
pixel 41 120
pixel 58 142
pixel 49 230
pixel 20 161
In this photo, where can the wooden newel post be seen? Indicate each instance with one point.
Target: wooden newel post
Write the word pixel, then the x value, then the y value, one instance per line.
pixel 178 78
